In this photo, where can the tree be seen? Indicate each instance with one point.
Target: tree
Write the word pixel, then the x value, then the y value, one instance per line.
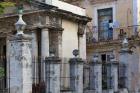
pixel 9 3
pixel 3 5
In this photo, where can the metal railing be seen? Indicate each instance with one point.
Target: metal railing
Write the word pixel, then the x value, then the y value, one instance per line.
pixel 93 35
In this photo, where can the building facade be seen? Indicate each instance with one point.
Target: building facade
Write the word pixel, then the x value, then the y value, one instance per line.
pixel 112 21
pixel 55 28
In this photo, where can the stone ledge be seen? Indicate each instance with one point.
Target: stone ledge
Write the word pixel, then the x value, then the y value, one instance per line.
pixel 53 60
pixel 20 37
pixel 76 61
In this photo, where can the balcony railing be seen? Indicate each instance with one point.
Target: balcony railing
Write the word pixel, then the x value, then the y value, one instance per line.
pixel 92 35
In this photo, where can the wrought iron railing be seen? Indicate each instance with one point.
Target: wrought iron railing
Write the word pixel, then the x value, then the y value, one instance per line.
pixel 92 34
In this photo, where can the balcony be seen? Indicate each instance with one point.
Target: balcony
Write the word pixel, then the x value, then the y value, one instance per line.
pixel 93 38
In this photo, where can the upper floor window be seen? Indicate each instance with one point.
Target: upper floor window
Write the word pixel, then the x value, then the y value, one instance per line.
pixel 105 20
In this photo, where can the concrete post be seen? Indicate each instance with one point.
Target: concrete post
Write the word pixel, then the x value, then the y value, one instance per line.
pixel 20 62
pixel 112 73
pixel 97 71
pixel 76 74
pixel 44 50
pixel 52 70
pixel 125 59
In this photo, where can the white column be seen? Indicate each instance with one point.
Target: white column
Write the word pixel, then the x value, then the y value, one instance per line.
pixel 82 40
pixel 60 44
pixel 82 46
pixel 44 50
pixel 20 63
pixel 35 56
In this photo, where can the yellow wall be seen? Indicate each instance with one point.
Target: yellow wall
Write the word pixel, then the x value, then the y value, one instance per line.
pixel 69 38
pixel 123 11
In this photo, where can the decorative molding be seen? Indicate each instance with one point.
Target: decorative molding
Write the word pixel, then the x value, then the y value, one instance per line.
pixel 81 29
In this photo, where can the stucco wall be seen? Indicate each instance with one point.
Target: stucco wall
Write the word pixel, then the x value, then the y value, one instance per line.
pixel 123 13
pixel 69 38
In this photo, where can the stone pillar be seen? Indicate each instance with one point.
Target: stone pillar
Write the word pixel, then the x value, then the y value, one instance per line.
pixel 125 59
pixel 97 71
pixel 35 57
pixel 82 41
pixel 44 50
pixel 76 74
pixel 60 44
pixel 112 74
pixel 52 70
pixel 20 64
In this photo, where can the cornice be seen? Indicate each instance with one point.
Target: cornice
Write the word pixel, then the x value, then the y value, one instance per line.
pixel 51 10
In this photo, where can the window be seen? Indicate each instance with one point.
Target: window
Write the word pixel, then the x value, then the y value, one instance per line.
pixel 105 20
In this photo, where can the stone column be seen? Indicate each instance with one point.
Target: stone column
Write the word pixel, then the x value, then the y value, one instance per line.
pixel 82 41
pixel 76 74
pixel 52 70
pixel 60 44
pixel 20 64
pixel 44 50
pixel 97 71
pixel 35 57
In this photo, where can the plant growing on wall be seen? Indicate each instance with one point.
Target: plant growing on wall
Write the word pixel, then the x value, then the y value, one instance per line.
pixel 2 72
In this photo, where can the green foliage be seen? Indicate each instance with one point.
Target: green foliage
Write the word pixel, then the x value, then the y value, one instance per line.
pixel 3 5
pixel 1 72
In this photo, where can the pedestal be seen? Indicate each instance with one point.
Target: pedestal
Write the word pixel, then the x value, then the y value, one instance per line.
pixel 52 70
pixel 76 75
pixel 98 77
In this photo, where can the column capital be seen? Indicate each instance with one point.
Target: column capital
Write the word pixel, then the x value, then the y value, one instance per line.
pixel 53 60
pixel 81 29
